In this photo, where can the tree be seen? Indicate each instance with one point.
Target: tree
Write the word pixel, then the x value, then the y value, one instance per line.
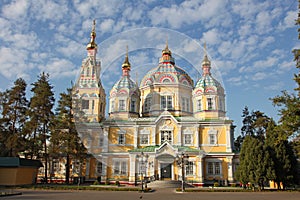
pixel 13 116
pixel 41 116
pixel 283 156
pixel 255 163
pixel 65 140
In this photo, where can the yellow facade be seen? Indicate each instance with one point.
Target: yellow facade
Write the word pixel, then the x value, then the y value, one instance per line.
pixel 151 125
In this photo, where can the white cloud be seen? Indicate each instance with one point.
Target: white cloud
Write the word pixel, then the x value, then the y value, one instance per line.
pixel 106 25
pixel 275 86
pixel 289 20
pixel 58 68
pixel 259 76
pixel 16 9
pixel 212 36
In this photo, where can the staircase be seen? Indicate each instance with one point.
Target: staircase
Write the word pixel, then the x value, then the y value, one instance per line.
pixel 167 184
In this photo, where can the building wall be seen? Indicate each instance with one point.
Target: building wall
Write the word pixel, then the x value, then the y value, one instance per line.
pixel 18 176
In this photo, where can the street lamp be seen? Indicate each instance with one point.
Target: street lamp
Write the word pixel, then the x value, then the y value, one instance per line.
pixel 143 158
pixel 182 160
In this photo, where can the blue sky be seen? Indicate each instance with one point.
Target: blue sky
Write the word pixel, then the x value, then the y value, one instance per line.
pixel 249 42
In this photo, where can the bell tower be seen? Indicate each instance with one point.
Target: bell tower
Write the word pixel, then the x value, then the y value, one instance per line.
pixel 88 87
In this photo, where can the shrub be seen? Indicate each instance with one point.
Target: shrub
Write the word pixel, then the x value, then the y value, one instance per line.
pixel 96 183
pixel 117 183
pixel 216 184
pixel 107 182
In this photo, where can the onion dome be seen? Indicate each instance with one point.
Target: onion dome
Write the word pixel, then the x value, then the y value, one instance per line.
pixel 207 83
pixel 166 72
pixel 125 85
pixel 92 44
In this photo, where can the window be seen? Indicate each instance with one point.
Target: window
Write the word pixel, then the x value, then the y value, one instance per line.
pixel 166 136
pixel 199 105
pixel 116 167
pixel 189 168
pixel 212 139
pixel 185 104
pixel 88 71
pixel 147 104
pixel 166 102
pixel 112 106
pixel 93 71
pixel 121 138
pixel 188 139
pixel 99 167
pixel 121 105
pixel 85 104
pixel 210 103
pixel 212 134
pixel 132 106
pixel 101 141
pixel 214 168
pixel 144 139
pixel 120 167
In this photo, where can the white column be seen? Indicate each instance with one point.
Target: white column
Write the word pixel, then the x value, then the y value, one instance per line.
pixel 105 139
pixel 230 169
pixel 104 168
pixel 132 167
pixel 196 143
pixel 200 169
pixel 135 136
pixel 228 139
pixel 153 133
pixel 179 135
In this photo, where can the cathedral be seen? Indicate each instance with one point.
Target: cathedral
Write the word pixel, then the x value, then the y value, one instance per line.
pixel 167 127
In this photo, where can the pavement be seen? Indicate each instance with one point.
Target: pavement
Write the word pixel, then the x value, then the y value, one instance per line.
pixel 161 193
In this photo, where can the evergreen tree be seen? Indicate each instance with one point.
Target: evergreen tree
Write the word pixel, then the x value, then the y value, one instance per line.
pixel 282 155
pixel 41 116
pixel 256 165
pixel 65 140
pixel 13 116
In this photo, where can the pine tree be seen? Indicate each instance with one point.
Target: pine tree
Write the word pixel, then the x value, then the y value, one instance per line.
pixel 41 116
pixel 65 134
pixel 13 117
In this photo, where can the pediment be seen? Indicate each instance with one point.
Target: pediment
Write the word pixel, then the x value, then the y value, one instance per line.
pixel 166 149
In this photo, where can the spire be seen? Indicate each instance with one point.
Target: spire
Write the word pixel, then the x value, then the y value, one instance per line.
pixel 166 55
pixel 126 65
pixel 205 62
pixel 167 50
pixel 92 44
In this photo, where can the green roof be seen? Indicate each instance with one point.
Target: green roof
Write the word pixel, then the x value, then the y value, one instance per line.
pixel 17 162
pixel 152 149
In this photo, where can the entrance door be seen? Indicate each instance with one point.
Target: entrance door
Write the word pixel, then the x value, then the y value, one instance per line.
pixel 165 171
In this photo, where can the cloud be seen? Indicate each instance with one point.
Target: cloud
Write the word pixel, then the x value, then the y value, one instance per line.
pixel 16 9
pixel 58 68
pixel 288 21
pixel 212 36
pixel 259 76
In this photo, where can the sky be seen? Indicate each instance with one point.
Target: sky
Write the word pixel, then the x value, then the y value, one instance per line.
pixel 249 42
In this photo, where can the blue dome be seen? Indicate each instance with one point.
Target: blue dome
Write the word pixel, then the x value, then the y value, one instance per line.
pixel 125 83
pixel 207 80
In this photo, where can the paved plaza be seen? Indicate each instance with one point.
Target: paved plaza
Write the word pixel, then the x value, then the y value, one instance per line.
pixel 167 194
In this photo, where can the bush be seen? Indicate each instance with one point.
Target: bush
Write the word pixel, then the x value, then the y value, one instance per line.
pixel 107 182
pixel 96 183
pixel 216 184
pixel 117 183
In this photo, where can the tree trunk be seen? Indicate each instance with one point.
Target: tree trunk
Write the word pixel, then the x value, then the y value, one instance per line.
pixel 68 169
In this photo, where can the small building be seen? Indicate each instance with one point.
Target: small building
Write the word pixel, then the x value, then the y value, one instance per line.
pixel 18 171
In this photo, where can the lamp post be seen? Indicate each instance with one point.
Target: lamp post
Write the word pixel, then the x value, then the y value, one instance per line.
pixel 181 162
pixel 142 159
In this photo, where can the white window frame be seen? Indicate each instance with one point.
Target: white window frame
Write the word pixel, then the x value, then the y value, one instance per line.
pixel 166 102
pixel 133 105
pixel 216 167
pixel 213 136
pixel 145 133
pixel 120 167
pixel 185 104
pixel 170 136
pixel 122 135
pixel 212 101
pixel 147 103
pixel 189 164
pixel 112 106
pixel 185 134
pixel 121 105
